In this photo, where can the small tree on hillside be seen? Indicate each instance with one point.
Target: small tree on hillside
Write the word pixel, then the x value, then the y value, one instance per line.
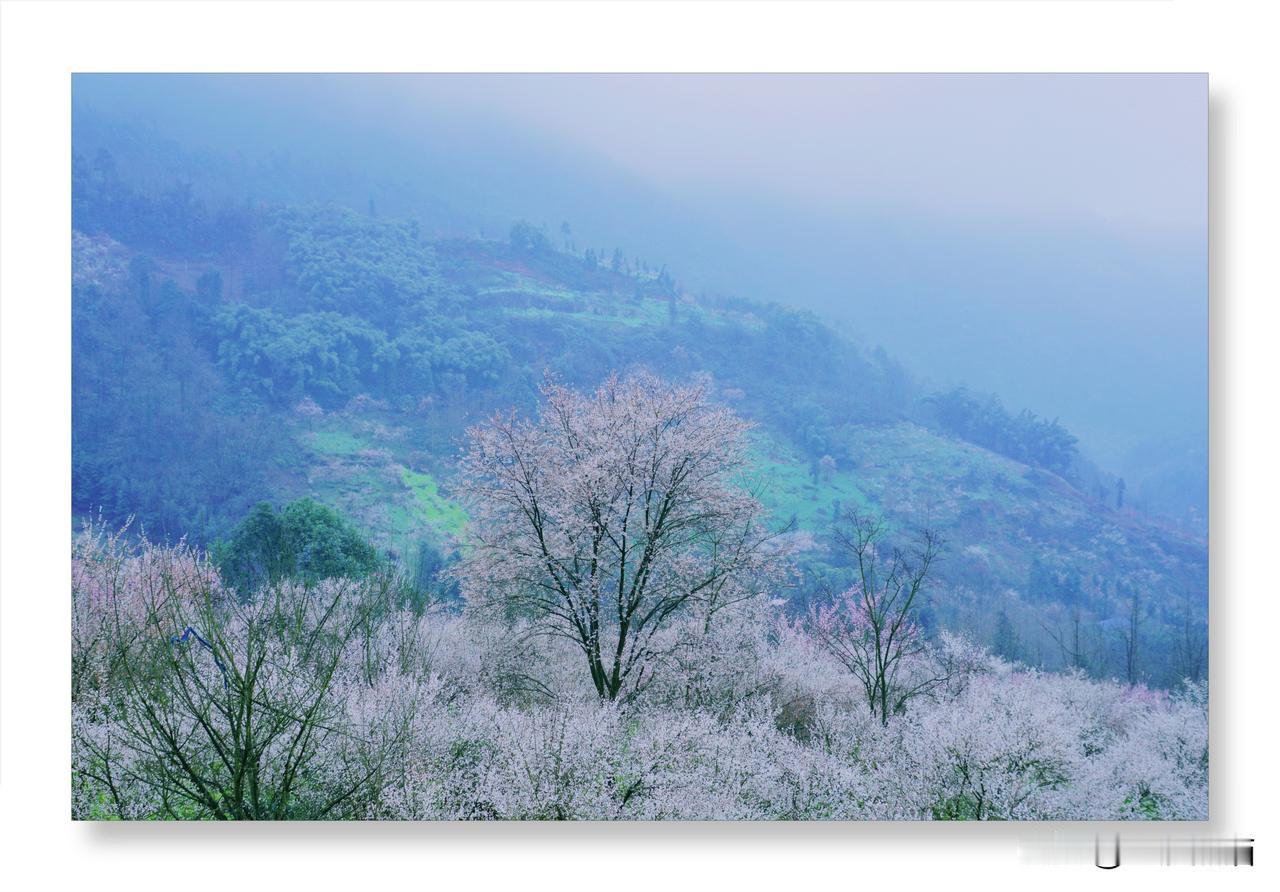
pixel 871 628
pixel 611 515
pixel 1006 643
pixel 826 468
pixel 1131 634
pixel 1191 648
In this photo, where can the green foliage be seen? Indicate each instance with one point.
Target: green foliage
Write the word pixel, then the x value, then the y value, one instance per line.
pixel 1006 642
pixel 961 807
pixel 427 582
pixel 527 238
pixel 340 260
pixel 790 491
pixel 441 513
pixel 1146 804
pixel 1024 437
pixel 305 542
pixel 323 355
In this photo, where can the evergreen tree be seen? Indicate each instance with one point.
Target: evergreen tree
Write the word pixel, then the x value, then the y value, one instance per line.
pixel 1006 642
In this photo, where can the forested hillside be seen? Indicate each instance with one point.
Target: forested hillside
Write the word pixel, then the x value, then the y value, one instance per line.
pixel 229 351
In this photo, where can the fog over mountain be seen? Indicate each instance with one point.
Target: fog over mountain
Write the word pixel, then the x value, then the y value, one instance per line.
pixel 1042 237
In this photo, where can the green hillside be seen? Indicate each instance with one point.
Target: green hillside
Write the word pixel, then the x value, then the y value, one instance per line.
pixel 220 360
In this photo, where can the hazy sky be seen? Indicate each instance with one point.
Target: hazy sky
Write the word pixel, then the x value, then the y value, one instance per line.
pixel 1129 150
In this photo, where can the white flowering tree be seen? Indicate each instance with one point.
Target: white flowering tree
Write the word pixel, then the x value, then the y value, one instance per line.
pixel 610 516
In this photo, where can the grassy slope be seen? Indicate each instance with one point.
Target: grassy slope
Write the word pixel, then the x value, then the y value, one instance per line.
pixel 363 464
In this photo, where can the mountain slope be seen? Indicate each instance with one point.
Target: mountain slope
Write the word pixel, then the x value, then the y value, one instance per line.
pixel 255 353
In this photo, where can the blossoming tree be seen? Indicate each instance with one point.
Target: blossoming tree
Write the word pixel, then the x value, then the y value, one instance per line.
pixel 609 516
pixel 871 628
pixel 190 702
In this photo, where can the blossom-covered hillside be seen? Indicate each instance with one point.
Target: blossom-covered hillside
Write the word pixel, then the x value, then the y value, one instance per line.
pixel 326 701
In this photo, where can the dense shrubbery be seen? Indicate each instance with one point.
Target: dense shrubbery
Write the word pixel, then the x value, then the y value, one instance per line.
pixel 1023 437
pixel 340 261
pixel 303 542
pixel 325 701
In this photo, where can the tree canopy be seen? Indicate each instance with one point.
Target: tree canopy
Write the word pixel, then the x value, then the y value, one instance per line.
pixel 304 542
pixel 610 516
